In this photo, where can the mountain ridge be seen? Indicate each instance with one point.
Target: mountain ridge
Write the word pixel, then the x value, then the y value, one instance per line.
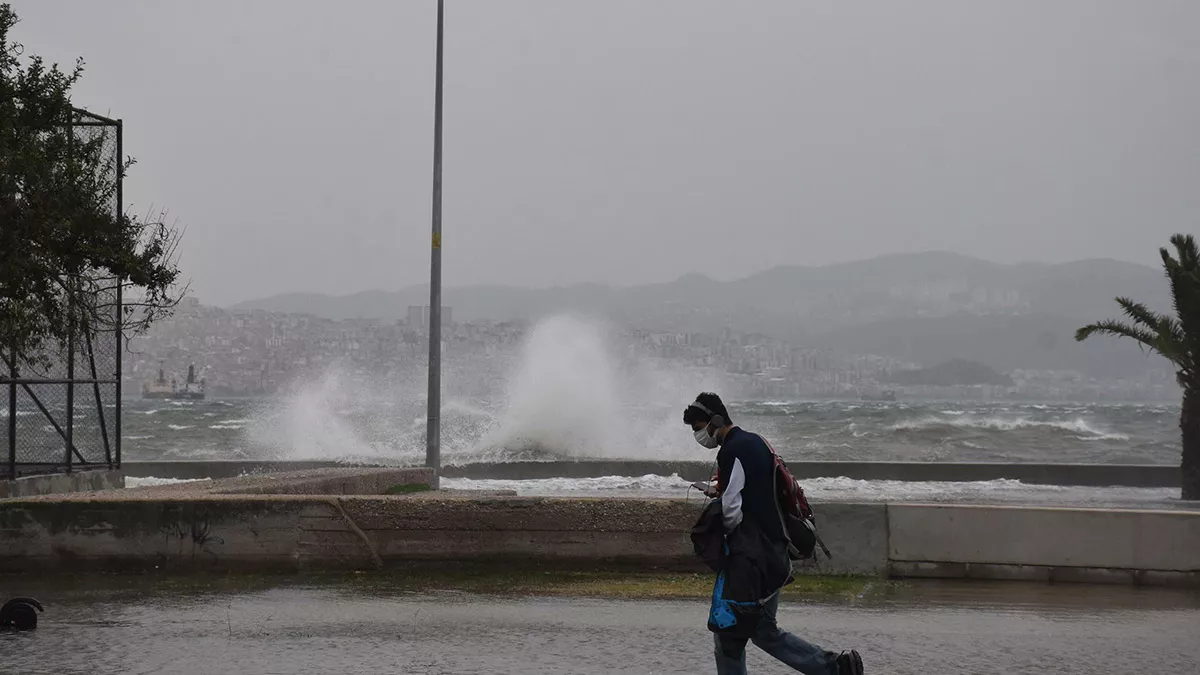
pixel 773 274
pixel 923 308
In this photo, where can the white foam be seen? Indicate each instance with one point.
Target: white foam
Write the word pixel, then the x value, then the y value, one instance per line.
pixel 836 490
pixel 649 484
pixel 1078 426
pixel 135 482
pixel 179 427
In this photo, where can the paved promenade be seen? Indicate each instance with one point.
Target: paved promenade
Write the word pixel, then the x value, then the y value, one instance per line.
pixel 351 628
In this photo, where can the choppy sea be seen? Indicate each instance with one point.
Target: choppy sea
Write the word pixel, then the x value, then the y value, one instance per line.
pixel 800 430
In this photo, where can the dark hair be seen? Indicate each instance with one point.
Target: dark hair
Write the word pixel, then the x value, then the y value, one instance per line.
pixel 692 414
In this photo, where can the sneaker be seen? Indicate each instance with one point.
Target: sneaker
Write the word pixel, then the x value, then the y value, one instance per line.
pixel 849 663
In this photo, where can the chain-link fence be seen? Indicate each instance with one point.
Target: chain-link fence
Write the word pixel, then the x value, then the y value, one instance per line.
pixel 63 413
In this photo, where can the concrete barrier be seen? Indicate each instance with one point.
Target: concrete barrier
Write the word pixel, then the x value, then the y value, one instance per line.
pixel 1052 544
pixel 198 534
pixel 217 469
pixel 1129 475
pixel 293 522
pixel 856 535
pixel 241 532
pixel 339 481
pixel 76 481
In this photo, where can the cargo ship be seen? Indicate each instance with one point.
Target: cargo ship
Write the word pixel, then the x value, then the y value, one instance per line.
pixel 161 388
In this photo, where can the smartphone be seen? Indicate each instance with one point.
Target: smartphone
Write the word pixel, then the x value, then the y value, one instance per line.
pixel 705 488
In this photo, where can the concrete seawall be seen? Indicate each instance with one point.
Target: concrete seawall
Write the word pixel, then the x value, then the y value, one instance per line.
pixel 1045 544
pixel 77 481
pixel 309 532
pixel 1129 475
pixel 363 532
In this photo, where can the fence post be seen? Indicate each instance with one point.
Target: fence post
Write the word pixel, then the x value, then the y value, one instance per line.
pixel 12 416
pixel 70 433
pixel 120 308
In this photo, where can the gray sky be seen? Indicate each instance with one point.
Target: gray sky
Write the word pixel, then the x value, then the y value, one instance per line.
pixel 629 141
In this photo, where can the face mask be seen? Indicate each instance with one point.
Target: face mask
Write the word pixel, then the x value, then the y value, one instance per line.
pixel 706 439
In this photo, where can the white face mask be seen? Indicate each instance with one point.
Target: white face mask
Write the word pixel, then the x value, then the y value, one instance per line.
pixel 706 439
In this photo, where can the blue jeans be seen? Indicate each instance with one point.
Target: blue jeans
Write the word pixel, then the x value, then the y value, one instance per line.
pixel 797 653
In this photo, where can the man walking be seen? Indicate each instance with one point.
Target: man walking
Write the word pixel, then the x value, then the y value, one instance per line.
pixel 755 546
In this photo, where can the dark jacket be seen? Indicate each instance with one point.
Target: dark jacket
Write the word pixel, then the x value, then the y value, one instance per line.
pixel 746 481
pixel 740 536
pixel 751 568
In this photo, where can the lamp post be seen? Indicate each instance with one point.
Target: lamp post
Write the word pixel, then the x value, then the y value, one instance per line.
pixel 433 439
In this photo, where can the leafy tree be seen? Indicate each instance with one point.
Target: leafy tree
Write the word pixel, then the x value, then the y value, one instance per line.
pixel 1175 337
pixel 65 243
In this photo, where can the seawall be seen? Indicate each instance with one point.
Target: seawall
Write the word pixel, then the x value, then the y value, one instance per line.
pixel 294 532
pixel 76 481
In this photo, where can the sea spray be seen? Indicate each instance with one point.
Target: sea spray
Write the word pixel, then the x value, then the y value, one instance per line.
pixel 304 424
pixel 578 390
pixel 348 415
pixel 563 397
pixel 573 388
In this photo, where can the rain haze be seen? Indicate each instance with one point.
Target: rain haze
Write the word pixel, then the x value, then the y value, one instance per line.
pixel 628 142
pixel 682 239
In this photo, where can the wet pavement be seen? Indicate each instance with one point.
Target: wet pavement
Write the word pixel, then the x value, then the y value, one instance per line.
pixel 116 626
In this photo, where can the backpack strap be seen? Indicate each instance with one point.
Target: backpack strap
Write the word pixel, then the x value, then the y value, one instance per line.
pixel 779 509
pixel 792 550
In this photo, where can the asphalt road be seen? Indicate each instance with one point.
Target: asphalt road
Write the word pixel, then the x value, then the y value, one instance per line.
pixel 952 628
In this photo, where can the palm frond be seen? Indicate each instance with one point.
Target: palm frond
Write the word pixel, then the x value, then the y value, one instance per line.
pixel 1140 313
pixel 1172 342
pixel 1183 273
pixel 1118 329
pixel 1185 249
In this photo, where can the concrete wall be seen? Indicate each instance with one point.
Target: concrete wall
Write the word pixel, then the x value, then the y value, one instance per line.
pixel 857 537
pixel 1044 543
pixel 340 481
pixel 76 481
pixel 296 532
pixel 193 470
pixel 246 534
pixel 290 533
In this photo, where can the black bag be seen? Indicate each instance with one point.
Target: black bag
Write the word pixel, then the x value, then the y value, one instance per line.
pixel 708 537
pixel 755 568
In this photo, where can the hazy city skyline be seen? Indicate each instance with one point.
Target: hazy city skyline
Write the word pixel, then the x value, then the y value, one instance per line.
pixel 629 142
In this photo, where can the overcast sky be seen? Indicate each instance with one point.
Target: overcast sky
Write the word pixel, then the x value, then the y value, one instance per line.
pixel 630 141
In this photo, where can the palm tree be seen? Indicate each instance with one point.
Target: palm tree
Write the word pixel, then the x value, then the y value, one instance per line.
pixel 1175 337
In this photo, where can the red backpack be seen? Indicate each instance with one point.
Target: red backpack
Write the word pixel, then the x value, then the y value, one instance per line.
pixel 795 513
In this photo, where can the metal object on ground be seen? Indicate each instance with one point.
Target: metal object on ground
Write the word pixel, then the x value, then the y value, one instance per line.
pixel 20 614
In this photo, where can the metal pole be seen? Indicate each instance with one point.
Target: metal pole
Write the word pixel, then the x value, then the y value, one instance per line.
pixel 433 450
pixel 12 417
pixel 120 311
pixel 69 437
pixel 91 352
